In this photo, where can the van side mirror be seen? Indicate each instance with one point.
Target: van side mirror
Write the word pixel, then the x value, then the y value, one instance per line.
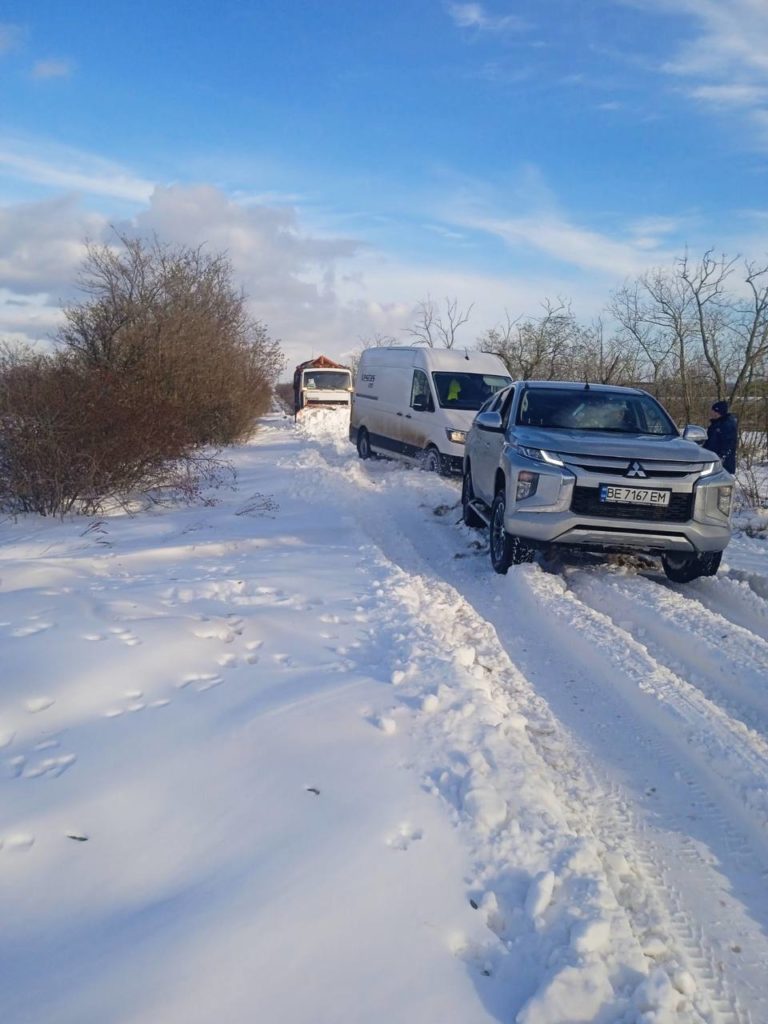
pixel 696 434
pixel 489 421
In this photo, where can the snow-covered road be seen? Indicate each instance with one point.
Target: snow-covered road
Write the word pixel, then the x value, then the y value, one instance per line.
pixel 301 756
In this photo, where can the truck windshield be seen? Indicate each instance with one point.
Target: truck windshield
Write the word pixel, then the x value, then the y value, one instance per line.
pixel 328 380
pixel 608 411
pixel 466 390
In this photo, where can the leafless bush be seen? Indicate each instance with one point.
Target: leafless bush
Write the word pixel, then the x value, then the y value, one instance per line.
pixel 70 436
pixel 158 362
pixel 170 321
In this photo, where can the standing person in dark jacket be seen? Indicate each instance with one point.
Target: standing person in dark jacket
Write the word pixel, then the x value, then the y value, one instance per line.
pixel 723 435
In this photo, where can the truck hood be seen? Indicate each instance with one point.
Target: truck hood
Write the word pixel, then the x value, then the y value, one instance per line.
pixel 617 446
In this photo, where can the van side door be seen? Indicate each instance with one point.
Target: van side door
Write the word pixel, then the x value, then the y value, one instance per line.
pixel 419 414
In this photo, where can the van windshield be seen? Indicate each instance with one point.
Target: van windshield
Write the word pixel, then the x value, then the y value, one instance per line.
pixel 467 390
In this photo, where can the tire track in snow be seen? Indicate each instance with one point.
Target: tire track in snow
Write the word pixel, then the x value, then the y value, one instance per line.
pixel 739 598
pixel 736 755
pixel 401 537
pixel 727 663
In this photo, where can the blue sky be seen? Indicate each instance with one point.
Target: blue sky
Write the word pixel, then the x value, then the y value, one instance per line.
pixel 354 157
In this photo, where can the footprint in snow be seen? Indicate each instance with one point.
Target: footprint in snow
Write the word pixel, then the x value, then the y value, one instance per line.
pixel 404 836
pixel 31 629
pixel 201 681
pixel 18 842
pixel 15 766
pixel 53 766
pixel 124 635
pixel 38 704
pixel 214 631
pixel 46 745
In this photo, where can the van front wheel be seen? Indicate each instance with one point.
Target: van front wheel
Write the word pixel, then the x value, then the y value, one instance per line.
pixel 363 444
pixel 432 460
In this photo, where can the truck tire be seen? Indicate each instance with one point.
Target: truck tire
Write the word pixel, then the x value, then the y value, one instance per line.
pixel 505 548
pixel 686 568
pixel 468 514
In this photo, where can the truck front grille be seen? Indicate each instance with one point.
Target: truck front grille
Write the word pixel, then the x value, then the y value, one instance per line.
pixel 586 502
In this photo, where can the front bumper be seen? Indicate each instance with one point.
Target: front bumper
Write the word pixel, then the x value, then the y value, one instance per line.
pixel 548 517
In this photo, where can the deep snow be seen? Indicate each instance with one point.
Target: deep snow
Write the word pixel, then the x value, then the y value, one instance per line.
pixel 300 756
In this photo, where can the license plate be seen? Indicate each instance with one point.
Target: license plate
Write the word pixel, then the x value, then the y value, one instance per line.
pixel 633 495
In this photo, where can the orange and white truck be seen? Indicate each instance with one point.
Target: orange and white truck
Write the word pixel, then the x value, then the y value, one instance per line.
pixel 319 383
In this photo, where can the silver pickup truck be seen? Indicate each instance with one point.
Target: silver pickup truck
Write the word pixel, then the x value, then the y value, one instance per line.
pixel 595 467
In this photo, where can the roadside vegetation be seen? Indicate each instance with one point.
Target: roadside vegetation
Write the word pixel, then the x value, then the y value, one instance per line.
pixel 691 334
pixel 157 368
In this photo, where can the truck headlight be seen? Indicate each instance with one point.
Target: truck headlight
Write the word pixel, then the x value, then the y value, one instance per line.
pixel 540 455
pixel 724 498
pixel 526 485
pixel 457 436
pixel 708 469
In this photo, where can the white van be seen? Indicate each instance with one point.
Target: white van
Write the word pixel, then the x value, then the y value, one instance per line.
pixel 418 403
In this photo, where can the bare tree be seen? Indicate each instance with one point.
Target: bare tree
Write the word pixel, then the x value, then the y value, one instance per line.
pixel 435 329
pixel 535 348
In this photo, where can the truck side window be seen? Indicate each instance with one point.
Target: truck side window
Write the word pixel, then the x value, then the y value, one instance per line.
pixel 421 399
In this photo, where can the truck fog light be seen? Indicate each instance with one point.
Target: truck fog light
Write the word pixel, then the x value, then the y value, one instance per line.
pixel 724 497
pixel 526 484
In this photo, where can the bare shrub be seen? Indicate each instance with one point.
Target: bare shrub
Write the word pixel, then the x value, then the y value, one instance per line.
pixel 160 361
pixel 71 436
pixel 170 320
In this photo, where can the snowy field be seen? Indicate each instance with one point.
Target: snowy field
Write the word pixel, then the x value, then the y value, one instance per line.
pixel 300 757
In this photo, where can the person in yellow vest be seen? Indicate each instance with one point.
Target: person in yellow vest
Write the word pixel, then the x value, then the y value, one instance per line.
pixel 454 390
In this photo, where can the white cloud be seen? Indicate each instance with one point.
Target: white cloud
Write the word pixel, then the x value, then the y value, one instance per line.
pixel 44 69
pixel 725 56
pixel 42 244
pixel 730 95
pixel 67 168
pixel 568 243
pixel 473 15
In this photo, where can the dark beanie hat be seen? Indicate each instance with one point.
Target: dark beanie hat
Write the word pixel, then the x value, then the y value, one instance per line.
pixel 721 408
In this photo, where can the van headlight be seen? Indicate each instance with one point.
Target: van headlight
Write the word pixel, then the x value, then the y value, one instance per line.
pixel 456 436
pixel 724 499
pixel 540 455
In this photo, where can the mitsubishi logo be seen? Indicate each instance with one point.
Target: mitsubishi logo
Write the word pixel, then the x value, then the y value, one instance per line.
pixel 636 470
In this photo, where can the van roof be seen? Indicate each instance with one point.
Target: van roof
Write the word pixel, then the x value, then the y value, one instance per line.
pixel 457 359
